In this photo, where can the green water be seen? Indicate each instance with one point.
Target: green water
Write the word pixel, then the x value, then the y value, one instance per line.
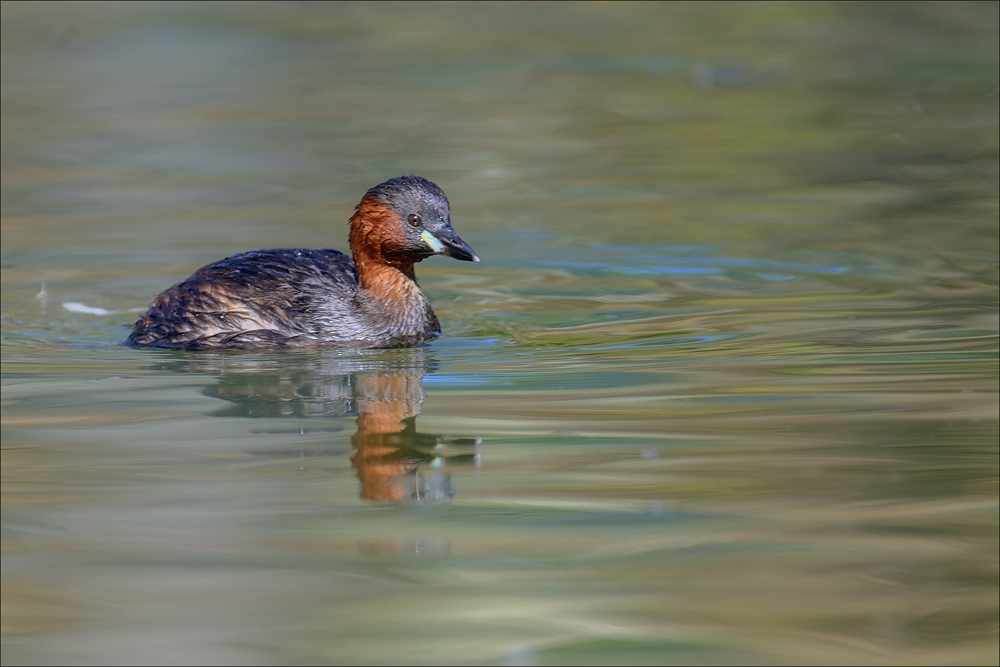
pixel 722 390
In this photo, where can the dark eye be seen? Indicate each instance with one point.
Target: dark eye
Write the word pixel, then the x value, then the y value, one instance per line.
pixel 414 220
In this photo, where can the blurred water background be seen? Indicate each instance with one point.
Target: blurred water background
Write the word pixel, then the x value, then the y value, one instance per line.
pixel 722 390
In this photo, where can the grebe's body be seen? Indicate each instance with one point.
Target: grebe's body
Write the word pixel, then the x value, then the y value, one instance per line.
pixel 295 297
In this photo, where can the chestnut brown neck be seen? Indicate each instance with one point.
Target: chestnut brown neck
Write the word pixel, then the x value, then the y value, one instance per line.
pixel 386 276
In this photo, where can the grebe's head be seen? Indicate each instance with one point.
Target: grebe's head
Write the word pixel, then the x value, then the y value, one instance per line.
pixel 406 219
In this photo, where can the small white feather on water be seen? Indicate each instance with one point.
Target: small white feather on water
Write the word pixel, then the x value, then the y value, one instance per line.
pixel 74 307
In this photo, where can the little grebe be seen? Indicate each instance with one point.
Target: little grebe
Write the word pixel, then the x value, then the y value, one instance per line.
pixel 295 297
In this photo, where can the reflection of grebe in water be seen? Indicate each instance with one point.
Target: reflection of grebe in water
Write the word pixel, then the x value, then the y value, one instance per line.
pixel 388 448
pixel 394 462
pixel 297 297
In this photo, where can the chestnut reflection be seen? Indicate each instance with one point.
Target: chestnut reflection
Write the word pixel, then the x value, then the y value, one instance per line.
pixel 395 463
pixel 388 450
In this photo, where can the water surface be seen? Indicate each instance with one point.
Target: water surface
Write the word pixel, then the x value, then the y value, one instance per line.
pixel 723 389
